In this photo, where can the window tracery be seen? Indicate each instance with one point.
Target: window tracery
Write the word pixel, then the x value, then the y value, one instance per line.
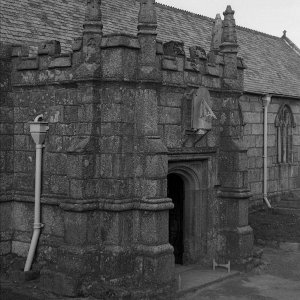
pixel 284 123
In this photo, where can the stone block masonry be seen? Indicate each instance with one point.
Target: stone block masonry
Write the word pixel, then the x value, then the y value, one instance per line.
pixel 6 150
pixel 119 110
pixel 282 177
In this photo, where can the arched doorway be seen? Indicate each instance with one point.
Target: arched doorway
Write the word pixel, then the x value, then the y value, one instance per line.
pixel 176 193
pixel 188 187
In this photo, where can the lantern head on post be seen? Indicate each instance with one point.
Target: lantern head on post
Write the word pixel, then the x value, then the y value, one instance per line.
pixel 38 130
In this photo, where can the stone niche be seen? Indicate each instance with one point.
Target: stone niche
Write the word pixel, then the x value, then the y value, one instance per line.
pixel 202 114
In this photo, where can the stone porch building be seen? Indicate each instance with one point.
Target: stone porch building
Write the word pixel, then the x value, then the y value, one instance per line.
pixel 155 148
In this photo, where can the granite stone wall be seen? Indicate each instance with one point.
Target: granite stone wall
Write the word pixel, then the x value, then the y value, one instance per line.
pixel 6 150
pixel 282 177
pixel 119 109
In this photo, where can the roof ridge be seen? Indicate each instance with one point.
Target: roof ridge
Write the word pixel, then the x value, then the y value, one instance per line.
pixel 257 31
pixel 184 11
pixel 211 19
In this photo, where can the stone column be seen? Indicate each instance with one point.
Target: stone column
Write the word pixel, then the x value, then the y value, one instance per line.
pixel 155 259
pixel 233 161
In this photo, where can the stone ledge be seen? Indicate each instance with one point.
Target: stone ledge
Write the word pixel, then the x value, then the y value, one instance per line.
pixel 62 61
pixel 28 63
pixel 234 193
pixel 120 40
pixel 117 205
pixel 19 50
pixel 169 63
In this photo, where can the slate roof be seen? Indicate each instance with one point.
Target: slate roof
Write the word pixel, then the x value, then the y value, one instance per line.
pixel 273 66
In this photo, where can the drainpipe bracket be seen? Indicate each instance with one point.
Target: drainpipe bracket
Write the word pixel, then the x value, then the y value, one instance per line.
pixel 38 225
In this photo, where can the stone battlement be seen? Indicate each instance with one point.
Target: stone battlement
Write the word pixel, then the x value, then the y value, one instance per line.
pixel 119 60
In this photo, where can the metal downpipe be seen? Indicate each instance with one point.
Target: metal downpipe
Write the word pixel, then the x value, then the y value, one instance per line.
pixel 266 101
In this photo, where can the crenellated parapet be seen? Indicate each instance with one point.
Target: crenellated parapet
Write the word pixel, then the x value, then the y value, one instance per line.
pixel 49 65
pixel 134 58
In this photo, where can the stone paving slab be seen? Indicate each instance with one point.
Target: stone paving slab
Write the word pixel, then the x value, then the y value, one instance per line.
pixel 276 279
pixel 193 278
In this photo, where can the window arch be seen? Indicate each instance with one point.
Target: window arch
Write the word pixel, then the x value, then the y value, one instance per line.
pixel 284 123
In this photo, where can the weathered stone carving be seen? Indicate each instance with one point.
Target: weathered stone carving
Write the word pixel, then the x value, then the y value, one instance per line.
pixel 197 52
pixel 51 47
pixel 147 13
pixel 93 10
pixel 201 112
pixel 173 48
pixel 229 33
pixel 216 34
pixel 91 49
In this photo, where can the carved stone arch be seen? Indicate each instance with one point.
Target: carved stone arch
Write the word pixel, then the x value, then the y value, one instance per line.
pixel 283 110
pixel 285 122
pixel 195 197
pixel 187 174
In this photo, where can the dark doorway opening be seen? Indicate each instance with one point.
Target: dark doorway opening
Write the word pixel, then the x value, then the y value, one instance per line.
pixel 176 193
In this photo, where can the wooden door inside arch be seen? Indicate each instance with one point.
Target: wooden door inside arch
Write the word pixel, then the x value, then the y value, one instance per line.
pixel 176 193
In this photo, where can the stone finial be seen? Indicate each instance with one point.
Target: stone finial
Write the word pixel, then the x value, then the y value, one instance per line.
pixel 216 33
pixel 92 36
pixel 284 33
pixel 93 17
pixel 229 31
pixel 147 21
pixel 93 10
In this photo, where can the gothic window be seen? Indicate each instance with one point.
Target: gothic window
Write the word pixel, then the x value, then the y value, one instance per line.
pixel 284 123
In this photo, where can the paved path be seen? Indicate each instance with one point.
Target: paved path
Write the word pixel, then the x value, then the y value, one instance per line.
pixel 277 279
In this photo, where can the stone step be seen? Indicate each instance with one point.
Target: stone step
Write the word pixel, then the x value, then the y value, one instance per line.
pixel 192 279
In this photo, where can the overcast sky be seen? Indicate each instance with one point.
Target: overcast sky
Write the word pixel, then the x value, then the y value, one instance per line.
pixel 268 16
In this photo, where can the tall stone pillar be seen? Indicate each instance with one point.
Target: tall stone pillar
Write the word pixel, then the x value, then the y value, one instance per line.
pixel 234 193
pixel 155 257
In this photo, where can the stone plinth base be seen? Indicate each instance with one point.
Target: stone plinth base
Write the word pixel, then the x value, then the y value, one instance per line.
pixel 239 246
pixel 140 272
